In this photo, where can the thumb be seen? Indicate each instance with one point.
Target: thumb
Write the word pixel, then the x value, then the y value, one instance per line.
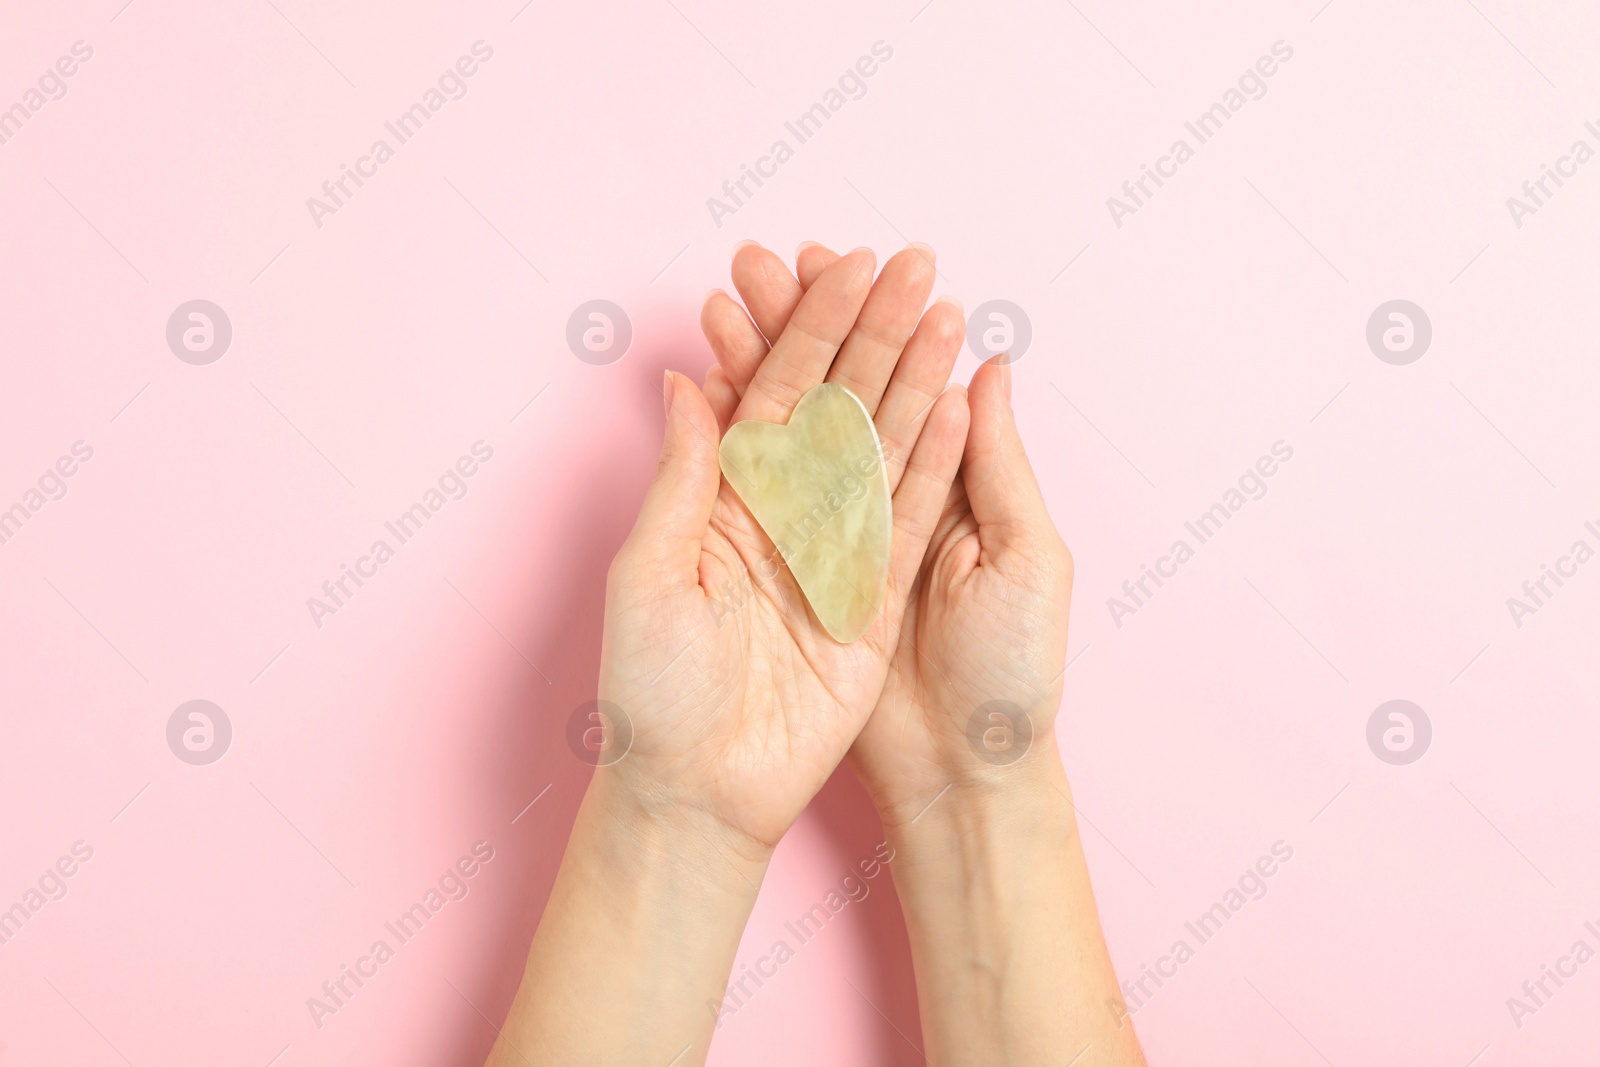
pixel 1001 487
pixel 677 507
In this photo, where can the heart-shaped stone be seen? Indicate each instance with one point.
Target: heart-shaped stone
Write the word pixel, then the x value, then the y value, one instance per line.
pixel 819 489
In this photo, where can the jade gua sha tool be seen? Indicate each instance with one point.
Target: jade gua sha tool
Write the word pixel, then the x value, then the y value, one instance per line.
pixel 819 489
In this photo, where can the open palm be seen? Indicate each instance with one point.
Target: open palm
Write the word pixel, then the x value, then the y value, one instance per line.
pixel 976 678
pixel 737 700
pixel 975 674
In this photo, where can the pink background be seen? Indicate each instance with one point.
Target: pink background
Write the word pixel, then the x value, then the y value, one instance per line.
pixel 368 354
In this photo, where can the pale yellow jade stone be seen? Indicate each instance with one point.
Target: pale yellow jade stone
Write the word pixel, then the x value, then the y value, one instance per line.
pixel 819 489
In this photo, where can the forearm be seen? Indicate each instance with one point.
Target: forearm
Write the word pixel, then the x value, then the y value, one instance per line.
pixel 1010 963
pixel 633 952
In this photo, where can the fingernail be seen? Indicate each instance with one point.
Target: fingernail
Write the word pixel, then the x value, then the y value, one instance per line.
pixel 709 294
pixel 668 387
pixel 953 302
pixel 803 246
pixel 926 250
pixel 745 244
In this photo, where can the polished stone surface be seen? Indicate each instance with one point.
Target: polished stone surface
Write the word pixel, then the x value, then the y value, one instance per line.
pixel 819 489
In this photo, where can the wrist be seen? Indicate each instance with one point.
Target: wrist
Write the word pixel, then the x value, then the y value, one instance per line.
pixel 631 958
pixel 979 828
pixel 1001 918
pixel 967 793
pixel 653 826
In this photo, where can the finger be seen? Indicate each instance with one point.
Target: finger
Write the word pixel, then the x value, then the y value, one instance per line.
pixel 920 500
pixel 867 359
pixel 738 343
pixel 919 378
pixel 766 287
pixel 721 395
pixel 956 508
pixel 1000 484
pixel 734 339
pixel 801 356
pixel 672 522
pixel 809 261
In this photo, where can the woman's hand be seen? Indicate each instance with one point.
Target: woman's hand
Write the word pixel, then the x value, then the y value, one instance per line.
pixel 740 705
pixel 1010 963
pixel 984 635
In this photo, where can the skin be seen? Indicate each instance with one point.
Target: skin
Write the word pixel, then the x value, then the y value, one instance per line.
pixel 738 717
pixel 1011 966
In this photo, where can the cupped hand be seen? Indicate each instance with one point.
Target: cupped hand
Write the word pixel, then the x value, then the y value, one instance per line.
pixel 739 704
pixel 974 681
